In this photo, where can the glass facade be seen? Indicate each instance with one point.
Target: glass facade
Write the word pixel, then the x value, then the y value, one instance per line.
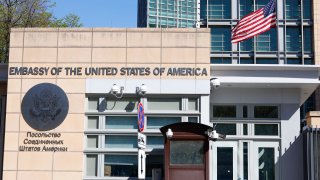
pixel 288 43
pixel 172 13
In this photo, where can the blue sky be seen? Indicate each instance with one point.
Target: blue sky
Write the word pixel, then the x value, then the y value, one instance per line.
pixel 99 13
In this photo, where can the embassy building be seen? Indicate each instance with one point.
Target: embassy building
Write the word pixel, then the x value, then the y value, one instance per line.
pixel 77 97
pixel 73 98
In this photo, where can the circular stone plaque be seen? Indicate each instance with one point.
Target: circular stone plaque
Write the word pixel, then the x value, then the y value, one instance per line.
pixel 45 106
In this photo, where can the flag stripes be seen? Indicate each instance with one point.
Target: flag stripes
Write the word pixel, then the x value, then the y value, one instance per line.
pixel 255 23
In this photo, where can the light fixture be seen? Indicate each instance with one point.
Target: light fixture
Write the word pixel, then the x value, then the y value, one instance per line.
pixel 117 91
pixel 142 90
pixel 169 133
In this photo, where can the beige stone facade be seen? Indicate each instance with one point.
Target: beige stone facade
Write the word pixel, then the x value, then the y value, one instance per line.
pixel 84 47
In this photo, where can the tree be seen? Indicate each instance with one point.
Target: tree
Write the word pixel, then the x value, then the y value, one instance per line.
pixel 28 13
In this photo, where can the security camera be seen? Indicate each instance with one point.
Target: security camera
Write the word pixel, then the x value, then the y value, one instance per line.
pixel 214 83
pixel 214 136
pixel 142 90
pixel 115 89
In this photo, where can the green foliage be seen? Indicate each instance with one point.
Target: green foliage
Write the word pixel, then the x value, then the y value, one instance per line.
pixel 70 20
pixel 28 13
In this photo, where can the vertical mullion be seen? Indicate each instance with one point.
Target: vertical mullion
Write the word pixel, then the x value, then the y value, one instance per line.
pixel 254 39
pixel 302 31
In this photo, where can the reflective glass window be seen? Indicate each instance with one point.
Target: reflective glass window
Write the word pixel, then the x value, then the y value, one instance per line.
pixel 293 39
pixel 220 39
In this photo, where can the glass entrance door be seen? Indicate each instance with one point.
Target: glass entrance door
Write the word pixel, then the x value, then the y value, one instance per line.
pixel 245 160
pixel 265 160
pixel 224 160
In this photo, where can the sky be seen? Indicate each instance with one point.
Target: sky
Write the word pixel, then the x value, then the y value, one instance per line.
pixel 99 13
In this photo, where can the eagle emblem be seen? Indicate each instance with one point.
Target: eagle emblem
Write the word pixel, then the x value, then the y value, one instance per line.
pixel 45 106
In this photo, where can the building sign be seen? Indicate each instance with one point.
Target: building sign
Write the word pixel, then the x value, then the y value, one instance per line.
pixel 44 142
pixel 108 71
pixel 44 107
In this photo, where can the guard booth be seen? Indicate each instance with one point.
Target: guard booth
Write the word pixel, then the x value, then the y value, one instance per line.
pixel 186 151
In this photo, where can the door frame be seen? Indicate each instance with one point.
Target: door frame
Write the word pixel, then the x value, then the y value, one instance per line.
pixel 255 162
pixel 215 145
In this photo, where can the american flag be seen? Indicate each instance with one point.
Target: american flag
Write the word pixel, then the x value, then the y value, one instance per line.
pixel 255 23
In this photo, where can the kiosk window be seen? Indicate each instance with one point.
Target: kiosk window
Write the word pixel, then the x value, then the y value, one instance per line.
pixel 186 152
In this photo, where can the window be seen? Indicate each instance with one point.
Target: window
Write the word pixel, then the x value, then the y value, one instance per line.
pixel 246 45
pixel 293 9
pixel 245 129
pixel 246 7
pixel 121 122
pixel 294 61
pixel 227 129
pixel 267 41
pixel 154 162
pixel 266 129
pixel 219 9
pixel 155 142
pixel 307 39
pixel 203 9
pixel 92 161
pixel 261 3
pixel 193 104
pixel 120 141
pixel 124 104
pixel 218 60
pixel 93 103
pixel 267 61
pixel 193 119
pixel 308 61
pixel 246 61
pixel 306 9
pixel 92 141
pixel 293 39
pixel 266 112
pixel 158 122
pixel 224 111
pixel 164 104
pixel 244 111
pixel 121 165
pixel 93 122
pixel 220 39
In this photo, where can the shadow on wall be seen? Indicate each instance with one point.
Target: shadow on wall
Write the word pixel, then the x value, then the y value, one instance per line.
pixel 291 163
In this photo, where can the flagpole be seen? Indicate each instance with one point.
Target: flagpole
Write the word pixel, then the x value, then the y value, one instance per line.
pixel 278 41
